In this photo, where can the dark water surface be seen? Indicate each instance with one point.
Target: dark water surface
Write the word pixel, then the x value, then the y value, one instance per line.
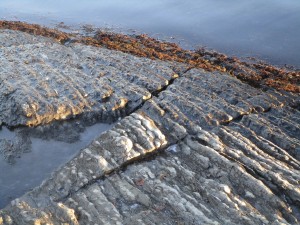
pixel 268 29
pixel 43 157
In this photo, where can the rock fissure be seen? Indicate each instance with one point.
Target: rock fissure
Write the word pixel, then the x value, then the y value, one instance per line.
pixel 144 158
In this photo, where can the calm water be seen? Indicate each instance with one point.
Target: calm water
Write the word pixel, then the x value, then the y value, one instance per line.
pixel 39 162
pixel 268 29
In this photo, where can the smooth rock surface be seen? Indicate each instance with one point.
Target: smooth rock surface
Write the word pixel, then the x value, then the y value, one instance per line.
pixel 208 149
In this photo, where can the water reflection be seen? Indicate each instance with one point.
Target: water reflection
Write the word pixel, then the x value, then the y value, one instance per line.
pixel 268 29
pixel 43 156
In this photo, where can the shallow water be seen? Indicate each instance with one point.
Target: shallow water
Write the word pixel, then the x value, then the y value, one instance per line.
pixel 44 157
pixel 268 29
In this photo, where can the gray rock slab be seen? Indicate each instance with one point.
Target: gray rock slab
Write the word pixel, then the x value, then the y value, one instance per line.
pixel 208 149
pixel 44 81
pixel 10 38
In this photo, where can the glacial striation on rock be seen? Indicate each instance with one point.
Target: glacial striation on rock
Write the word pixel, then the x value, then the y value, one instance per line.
pixel 194 147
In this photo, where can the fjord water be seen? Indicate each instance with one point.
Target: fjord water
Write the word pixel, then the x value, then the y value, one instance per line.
pixel 268 29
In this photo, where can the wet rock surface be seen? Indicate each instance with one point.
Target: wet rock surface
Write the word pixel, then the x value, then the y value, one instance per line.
pixel 196 147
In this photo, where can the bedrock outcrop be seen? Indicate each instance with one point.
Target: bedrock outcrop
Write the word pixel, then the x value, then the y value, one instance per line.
pixel 42 80
pixel 192 147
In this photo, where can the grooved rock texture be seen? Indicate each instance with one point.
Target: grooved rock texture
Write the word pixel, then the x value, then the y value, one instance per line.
pixel 42 81
pixel 207 149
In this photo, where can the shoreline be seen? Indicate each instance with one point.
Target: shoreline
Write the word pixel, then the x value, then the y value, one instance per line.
pixel 190 145
pixel 257 74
